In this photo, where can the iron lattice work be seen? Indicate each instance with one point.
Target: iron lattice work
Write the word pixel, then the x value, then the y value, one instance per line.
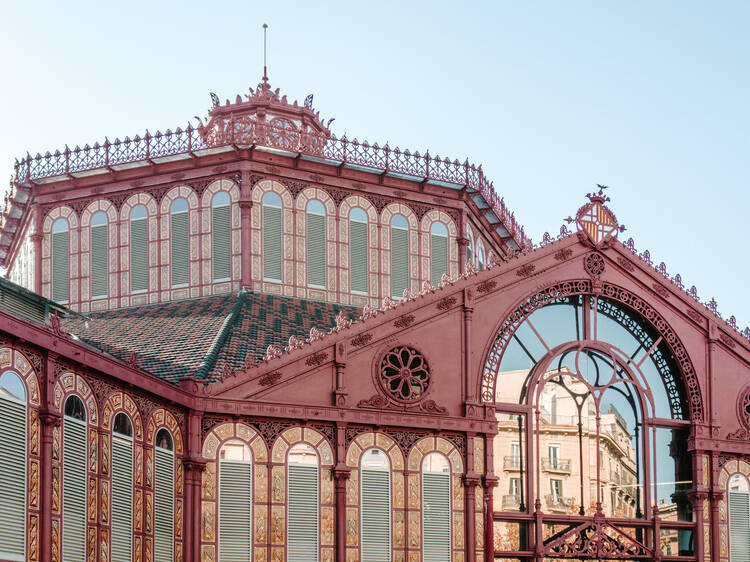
pixel 595 540
pixel 670 350
pixel 404 374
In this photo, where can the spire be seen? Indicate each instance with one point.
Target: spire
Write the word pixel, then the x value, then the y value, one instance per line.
pixel 265 71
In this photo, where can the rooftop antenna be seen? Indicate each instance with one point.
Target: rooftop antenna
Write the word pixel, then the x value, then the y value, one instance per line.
pixel 265 31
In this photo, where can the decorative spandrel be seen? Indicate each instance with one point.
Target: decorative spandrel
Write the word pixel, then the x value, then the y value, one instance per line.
pixel 595 221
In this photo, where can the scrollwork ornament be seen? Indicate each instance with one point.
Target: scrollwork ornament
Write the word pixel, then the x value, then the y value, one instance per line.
pixel 404 374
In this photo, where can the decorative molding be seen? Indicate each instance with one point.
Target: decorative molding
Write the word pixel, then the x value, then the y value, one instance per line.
pixel 361 340
pixel 404 321
pixel 446 303
pixel 694 315
pixel 726 340
pixel 486 286
pixel 269 379
pixel 593 263
pixel 316 359
pixel 625 264
pixel 660 290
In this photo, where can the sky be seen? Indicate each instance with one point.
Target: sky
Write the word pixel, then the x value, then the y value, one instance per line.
pixel 647 97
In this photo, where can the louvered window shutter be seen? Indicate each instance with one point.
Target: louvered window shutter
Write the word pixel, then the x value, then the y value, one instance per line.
pixel 272 248
pixel 739 526
pixel 74 491
pixel 316 250
pixel 122 499
pixel 302 519
pixel 12 480
pixel 60 266
pixel 99 266
pixel 139 255
pixel 235 511
pixel 180 248
pixel 163 505
pixel 358 258
pixel 221 233
pixel 376 515
pixel 438 257
pixel 399 261
pixel 436 513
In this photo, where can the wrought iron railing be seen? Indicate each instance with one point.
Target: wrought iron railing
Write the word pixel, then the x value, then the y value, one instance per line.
pixel 558 502
pixel 511 463
pixel 242 131
pixel 556 465
pixel 511 502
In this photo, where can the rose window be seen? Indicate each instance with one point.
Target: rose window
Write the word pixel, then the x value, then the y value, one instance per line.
pixel 284 133
pixel 404 374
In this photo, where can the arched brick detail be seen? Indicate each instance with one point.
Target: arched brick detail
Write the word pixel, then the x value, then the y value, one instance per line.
pixel 15 360
pixel 69 215
pixel 385 246
pixel 105 206
pixel 362 443
pixel 730 468
pixel 429 218
pixel 279 453
pixel 513 319
pixel 165 248
pixel 373 237
pixel 149 202
pixel 422 448
pixel 233 190
pixel 300 241
pixel 256 237
pixel 210 486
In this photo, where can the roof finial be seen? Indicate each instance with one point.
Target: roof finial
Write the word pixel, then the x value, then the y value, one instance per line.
pixel 265 74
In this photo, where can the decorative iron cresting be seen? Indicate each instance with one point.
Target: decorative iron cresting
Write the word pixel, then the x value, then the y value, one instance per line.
pixel 597 539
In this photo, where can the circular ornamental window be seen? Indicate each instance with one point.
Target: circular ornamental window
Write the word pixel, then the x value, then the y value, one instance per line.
pixel 404 374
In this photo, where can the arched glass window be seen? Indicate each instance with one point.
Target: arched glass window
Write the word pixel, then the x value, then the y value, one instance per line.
pixel 60 260
pixel 221 236
pixel 739 519
pixel 438 252
pixel 480 256
pixel 375 469
pixel 302 503
pixel 99 255
pixel 138 249
pixel 469 249
pixel 399 255
pixel 358 251
pixel 316 244
pixel 164 496
pixel 235 502
pixel 74 457
pixel 12 467
pixel 179 242
pixel 272 238
pixel 122 489
pixel 436 508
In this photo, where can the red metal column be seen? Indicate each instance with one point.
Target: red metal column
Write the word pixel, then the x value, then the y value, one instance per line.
pixel 246 205
pixel 471 481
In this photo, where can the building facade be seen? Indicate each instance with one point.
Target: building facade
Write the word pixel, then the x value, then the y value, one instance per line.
pixel 252 340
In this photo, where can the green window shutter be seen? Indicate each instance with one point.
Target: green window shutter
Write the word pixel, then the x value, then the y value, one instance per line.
pixel 221 237
pixel 358 258
pixel 302 516
pixel 12 480
pixel 436 513
pixel 399 261
pixel 272 247
pixel 180 248
pixel 739 526
pixel 60 266
pixel 74 491
pixel 163 505
pixel 122 499
pixel 376 515
pixel 438 257
pixel 316 250
pixel 139 255
pixel 235 511
pixel 99 268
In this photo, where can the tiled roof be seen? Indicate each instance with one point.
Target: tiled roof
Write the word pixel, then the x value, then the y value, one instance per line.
pixel 200 337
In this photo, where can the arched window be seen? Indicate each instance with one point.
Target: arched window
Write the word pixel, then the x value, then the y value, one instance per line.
pixel 436 508
pixel 221 236
pixel 272 238
pixel 74 458
pixel 138 249
pixel 164 496
pixel 179 238
pixel 12 467
pixel 376 506
pixel 316 244
pixel 480 256
pixel 99 255
pixel 358 251
pixel 302 503
pixel 60 261
pixel 122 489
pixel 438 251
pixel 469 249
pixel 739 519
pixel 399 255
pixel 235 502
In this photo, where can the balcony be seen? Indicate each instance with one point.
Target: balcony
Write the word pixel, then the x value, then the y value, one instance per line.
pixel 558 503
pixel 511 502
pixel 561 466
pixel 511 463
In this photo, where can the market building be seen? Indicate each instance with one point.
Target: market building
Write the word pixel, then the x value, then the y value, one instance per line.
pixel 253 340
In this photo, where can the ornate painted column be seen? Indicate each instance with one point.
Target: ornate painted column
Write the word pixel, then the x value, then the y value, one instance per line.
pixel 246 206
pixel 50 421
pixel 468 312
pixel 341 475
pixel 193 480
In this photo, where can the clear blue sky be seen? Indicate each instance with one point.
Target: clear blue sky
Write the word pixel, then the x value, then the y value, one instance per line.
pixel 648 97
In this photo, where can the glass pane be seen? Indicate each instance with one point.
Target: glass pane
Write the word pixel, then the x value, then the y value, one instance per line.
pixel 510 535
pixel 11 386
pixel 510 463
pixel 673 475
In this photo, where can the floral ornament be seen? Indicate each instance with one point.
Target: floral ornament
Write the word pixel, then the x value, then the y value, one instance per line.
pixel 273 352
pixel 404 374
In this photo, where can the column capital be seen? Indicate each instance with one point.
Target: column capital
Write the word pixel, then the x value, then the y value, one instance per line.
pixel 341 474
pixel 50 419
